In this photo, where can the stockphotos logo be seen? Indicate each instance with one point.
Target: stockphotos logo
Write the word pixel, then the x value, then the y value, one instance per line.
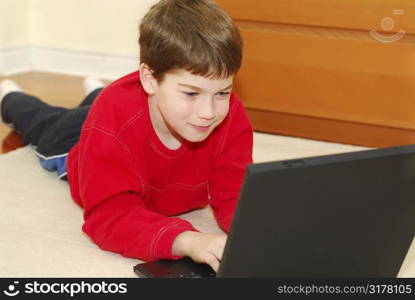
pixel 388 24
pixel 11 290
pixel 70 289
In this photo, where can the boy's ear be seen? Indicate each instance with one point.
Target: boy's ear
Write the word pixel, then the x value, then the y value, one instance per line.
pixel 147 79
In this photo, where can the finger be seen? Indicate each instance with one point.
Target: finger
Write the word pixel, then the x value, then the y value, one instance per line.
pixel 217 254
pixel 218 250
pixel 213 262
pixel 223 242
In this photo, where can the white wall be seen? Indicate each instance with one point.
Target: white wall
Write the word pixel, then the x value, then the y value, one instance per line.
pixel 108 26
pixel 14 20
pixel 48 33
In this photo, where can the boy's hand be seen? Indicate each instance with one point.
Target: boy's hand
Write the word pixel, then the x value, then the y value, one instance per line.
pixel 201 247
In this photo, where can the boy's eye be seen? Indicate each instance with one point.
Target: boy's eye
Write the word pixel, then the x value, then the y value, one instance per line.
pixel 223 94
pixel 190 94
pixel 194 94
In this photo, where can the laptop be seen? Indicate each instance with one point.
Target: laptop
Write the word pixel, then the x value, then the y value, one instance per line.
pixel 338 216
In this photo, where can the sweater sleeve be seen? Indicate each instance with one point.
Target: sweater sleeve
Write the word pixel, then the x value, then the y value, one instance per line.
pixel 229 168
pixel 113 196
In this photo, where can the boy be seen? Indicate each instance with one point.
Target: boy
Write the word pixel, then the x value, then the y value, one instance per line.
pixel 156 143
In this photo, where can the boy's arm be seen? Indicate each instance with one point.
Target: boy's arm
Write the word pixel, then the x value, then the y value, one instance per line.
pixel 229 167
pixel 112 192
pixel 122 224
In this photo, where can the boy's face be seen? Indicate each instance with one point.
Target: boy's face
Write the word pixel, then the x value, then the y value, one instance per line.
pixel 187 106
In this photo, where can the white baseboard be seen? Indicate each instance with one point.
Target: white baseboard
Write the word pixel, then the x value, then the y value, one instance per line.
pixel 15 60
pixel 64 61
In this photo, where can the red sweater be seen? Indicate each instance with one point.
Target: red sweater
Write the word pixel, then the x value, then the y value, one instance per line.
pixel 131 186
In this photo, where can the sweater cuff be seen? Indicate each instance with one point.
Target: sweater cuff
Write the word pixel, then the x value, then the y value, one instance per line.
pixel 163 245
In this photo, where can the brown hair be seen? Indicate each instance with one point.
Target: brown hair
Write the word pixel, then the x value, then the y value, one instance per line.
pixel 194 35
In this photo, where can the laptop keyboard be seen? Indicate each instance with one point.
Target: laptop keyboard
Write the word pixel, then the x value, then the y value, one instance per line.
pixel 195 275
pixel 183 268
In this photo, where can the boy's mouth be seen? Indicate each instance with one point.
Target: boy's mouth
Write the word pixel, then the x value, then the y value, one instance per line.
pixel 202 128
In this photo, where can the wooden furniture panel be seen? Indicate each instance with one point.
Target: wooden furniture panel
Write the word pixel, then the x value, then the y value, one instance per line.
pixel 329 129
pixel 320 75
pixel 12 141
pixel 350 14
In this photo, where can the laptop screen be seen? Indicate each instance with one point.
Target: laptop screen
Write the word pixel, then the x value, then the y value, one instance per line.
pixel 343 215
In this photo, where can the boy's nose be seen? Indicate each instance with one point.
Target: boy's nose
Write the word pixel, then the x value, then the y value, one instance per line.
pixel 206 109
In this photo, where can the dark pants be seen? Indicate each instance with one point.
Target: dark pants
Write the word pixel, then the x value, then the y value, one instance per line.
pixel 52 130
